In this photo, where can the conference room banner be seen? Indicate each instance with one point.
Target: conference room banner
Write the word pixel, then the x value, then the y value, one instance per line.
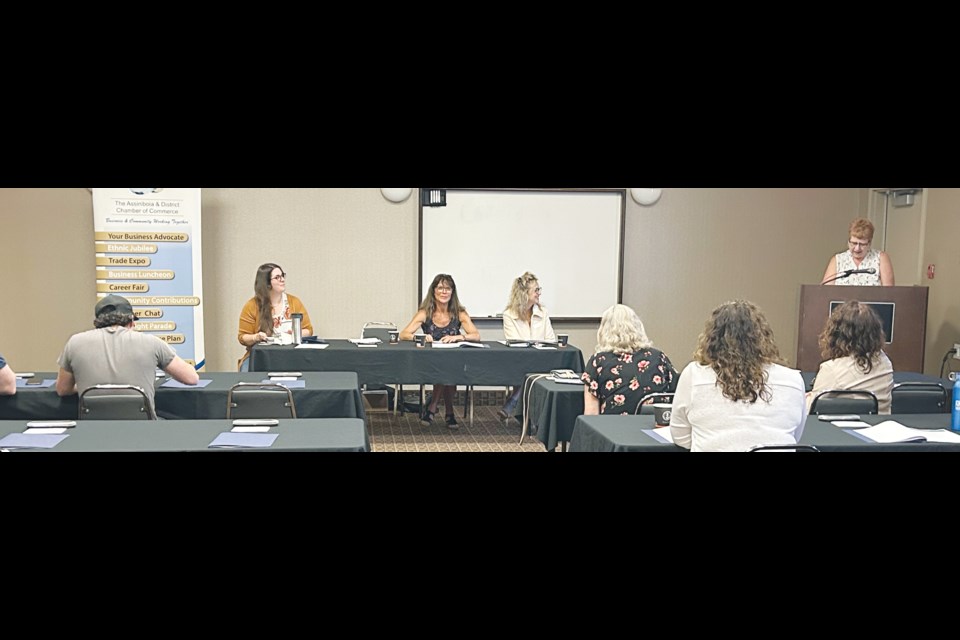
pixel 147 247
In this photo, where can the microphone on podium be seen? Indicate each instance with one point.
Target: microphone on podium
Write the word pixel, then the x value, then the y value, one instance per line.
pixel 848 273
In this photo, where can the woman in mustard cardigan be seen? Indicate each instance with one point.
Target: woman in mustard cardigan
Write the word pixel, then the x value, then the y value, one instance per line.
pixel 268 313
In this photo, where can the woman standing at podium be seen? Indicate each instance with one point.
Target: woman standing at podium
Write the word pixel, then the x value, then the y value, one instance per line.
pixel 860 264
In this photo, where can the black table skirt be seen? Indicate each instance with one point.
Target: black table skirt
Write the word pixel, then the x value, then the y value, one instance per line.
pixel 406 363
pixel 326 395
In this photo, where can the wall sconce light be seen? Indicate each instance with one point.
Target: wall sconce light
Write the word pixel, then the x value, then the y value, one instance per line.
pixel 646 197
pixel 396 195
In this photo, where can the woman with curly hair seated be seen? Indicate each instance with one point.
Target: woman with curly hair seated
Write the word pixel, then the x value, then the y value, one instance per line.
pixel 736 394
pixel 852 342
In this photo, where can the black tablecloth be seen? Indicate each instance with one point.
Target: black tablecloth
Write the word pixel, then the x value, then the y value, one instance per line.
pixel 403 363
pixel 325 395
pixel 626 433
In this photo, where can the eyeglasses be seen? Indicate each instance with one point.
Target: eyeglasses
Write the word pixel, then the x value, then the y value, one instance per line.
pixel 442 289
pixel 279 276
pixel 858 244
pixel 537 290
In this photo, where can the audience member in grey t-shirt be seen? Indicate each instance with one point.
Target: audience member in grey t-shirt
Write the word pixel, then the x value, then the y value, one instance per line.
pixel 115 353
pixel 8 379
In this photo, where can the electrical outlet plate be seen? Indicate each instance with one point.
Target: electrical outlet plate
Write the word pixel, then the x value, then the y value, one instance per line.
pixel 956 350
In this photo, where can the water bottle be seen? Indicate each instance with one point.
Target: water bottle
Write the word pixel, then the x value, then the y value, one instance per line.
pixel 297 319
pixel 955 414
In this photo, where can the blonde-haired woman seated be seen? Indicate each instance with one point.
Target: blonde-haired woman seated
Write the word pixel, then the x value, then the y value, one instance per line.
pixel 524 319
pixel 625 367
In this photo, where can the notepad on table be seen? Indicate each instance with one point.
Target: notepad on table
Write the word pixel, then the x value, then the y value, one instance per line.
pixel 230 440
pixel 176 384
pixel 660 434
pixel 850 424
pixel 893 431
pixel 22 441
pixel 40 384
pixel 291 383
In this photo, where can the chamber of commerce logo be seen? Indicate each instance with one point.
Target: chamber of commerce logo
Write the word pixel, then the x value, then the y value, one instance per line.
pixel 141 192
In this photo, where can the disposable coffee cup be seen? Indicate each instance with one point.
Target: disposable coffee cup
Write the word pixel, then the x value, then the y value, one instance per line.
pixel 661 413
pixel 421 339
pixel 394 337
pixel 562 339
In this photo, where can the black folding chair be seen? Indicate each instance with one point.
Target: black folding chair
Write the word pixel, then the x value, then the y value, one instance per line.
pixel 796 448
pixel 260 400
pixel 857 401
pixel 919 397
pixel 115 402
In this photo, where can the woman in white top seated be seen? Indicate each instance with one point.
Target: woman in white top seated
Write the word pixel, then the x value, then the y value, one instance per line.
pixel 524 319
pixel 735 394
pixel 852 340
pixel 860 256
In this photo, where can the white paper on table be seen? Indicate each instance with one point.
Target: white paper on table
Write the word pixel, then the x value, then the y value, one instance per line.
pixel 311 345
pixel 849 424
pixel 893 431
pixel 262 429
pixel 660 433
pixel 51 431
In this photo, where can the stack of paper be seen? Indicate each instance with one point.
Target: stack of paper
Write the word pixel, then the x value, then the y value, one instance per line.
pixel 893 431
pixel 660 434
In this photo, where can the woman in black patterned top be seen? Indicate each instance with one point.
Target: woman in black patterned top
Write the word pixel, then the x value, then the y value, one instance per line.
pixel 625 367
pixel 443 319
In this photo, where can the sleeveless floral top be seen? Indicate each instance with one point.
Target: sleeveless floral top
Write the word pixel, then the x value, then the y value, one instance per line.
pixel 870 260
pixel 282 322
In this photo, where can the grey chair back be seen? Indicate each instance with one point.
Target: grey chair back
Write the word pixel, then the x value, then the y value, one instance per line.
pixel 919 397
pixel 260 400
pixel 647 409
pixel 115 402
pixel 844 401
pixel 378 330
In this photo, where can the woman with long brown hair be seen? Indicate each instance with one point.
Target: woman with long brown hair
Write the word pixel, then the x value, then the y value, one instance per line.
pixel 852 345
pixel 269 312
pixel 736 394
pixel 442 318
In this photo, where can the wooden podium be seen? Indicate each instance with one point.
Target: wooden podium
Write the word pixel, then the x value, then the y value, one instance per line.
pixel 903 310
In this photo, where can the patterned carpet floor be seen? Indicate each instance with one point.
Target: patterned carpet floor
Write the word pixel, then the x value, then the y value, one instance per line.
pixel 488 433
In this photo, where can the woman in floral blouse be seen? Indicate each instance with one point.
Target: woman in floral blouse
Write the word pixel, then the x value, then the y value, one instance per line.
pixel 625 367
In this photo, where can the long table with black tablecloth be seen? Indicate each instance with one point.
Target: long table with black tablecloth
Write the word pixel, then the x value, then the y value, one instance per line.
pixel 302 434
pixel 554 407
pixel 494 364
pixel 628 433
pixel 324 395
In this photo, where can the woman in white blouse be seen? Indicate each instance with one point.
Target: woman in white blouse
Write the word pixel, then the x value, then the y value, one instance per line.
pixel 524 319
pixel 735 394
